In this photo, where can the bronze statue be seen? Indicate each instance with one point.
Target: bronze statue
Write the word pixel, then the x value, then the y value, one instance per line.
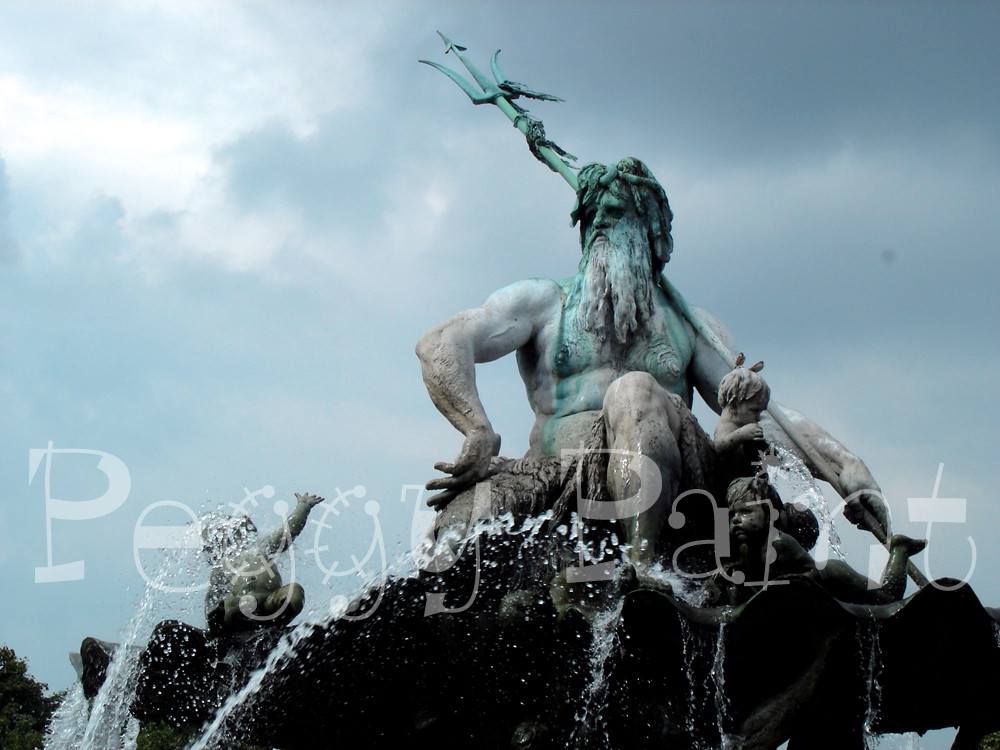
pixel 765 548
pixel 617 341
pixel 608 343
pixel 245 590
pixel 785 649
pixel 738 436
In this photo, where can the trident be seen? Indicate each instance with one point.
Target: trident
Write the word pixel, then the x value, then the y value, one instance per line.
pixel 502 93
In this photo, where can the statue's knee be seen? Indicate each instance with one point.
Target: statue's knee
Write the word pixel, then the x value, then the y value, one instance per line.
pixel 632 396
pixel 296 597
pixel 638 382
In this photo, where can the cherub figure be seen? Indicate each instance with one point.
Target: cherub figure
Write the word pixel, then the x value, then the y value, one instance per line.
pixel 767 542
pixel 245 588
pixel 738 437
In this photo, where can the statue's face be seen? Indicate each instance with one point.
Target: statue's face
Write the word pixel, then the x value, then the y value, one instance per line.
pixel 615 275
pixel 611 207
pixel 748 412
pixel 749 519
pixel 227 537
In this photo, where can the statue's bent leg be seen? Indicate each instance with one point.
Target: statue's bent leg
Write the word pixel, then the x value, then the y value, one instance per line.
pixel 642 424
pixel 285 604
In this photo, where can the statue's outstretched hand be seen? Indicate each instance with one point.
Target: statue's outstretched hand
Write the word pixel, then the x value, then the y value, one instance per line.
pixel 309 499
pixel 472 465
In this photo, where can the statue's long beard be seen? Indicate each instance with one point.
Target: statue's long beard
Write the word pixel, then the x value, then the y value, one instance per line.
pixel 614 291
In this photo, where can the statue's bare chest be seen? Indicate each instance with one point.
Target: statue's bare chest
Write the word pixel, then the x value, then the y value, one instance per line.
pixel 663 350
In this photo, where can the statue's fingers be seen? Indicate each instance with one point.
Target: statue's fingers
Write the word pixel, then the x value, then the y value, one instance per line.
pixel 443 483
pixel 441 499
pixel 463 465
pixel 457 482
pixel 445 466
pixel 854 512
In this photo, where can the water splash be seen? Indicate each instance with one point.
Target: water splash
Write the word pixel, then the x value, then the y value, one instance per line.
pixel 697 652
pixel 684 588
pixel 689 651
pixel 69 722
pixel 801 486
pixel 109 724
pixel 868 633
pixel 704 658
pixel 590 721
pixel 728 741
pixel 216 736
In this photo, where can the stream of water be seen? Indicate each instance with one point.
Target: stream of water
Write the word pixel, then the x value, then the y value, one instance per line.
pixel 796 484
pixel 69 722
pixel 106 724
pixel 591 729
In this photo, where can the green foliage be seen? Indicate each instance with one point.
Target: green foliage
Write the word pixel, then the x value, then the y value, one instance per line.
pixel 990 742
pixel 156 735
pixel 25 710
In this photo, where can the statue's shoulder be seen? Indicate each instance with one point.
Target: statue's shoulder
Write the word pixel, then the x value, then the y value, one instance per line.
pixel 565 285
pixel 713 324
pixel 531 293
pixel 546 286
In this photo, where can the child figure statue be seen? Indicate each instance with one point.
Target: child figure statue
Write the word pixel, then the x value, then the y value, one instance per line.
pixel 766 544
pixel 245 589
pixel 738 437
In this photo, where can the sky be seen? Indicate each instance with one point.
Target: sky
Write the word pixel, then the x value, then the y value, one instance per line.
pixel 223 226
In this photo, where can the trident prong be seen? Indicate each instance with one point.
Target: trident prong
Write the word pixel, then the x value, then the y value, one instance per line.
pixel 513 89
pixel 490 90
pixel 502 92
pixel 474 96
pixel 485 83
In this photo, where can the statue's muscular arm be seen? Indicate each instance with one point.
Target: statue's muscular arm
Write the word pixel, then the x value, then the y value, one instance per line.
pixel 278 540
pixel 510 319
pixel 707 370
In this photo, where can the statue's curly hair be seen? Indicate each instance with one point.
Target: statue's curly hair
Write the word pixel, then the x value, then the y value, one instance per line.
pixel 753 488
pixel 648 197
pixel 743 384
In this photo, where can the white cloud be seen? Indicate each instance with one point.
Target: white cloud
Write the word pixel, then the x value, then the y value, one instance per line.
pixel 144 123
